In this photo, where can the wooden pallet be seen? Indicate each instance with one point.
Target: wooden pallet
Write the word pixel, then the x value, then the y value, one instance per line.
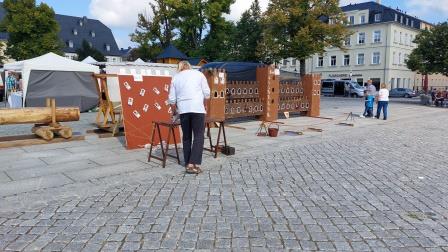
pixel 27 140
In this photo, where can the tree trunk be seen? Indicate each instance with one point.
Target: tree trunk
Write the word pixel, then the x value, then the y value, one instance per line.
pixel 302 67
pixel 37 115
pixel 425 85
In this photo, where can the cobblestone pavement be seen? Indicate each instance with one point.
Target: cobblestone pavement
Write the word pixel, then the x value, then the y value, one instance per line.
pixel 381 186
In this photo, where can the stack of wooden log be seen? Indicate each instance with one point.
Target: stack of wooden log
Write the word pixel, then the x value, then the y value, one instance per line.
pixel 46 119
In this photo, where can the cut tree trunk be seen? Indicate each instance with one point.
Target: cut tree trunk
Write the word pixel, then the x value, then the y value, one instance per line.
pixel 43 132
pixel 38 115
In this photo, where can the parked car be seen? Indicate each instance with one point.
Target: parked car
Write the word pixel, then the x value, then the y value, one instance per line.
pixel 339 87
pixel 402 92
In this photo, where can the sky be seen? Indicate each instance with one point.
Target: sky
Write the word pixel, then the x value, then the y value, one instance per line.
pixel 121 15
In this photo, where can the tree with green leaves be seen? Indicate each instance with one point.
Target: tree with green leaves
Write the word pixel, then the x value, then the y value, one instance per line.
pixel 87 50
pixel 300 29
pixel 249 33
pixel 201 25
pixel 158 28
pixel 431 54
pixel 33 29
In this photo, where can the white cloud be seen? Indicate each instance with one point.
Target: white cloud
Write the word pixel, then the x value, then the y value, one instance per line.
pixel 241 6
pixel 118 13
pixel 432 10
pixel 347 2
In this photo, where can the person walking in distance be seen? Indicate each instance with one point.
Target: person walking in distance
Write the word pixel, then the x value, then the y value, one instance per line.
pixel 383 101
pixel 370 95
pixel 188 97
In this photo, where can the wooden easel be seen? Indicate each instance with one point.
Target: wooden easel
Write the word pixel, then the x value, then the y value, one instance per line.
pixel 110 115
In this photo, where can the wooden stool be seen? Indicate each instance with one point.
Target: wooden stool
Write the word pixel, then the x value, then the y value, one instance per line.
pixel 221 130
pixel 171 126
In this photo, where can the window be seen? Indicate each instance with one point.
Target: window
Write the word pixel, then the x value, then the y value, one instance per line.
pixel 362 19
pixel 360 81
pixel 378 17
pixel 407 21
pixel 75 32
pixel 347 60
pixel 70 43
pixel 80 22
pixel 394 58
pixel 347 41
pixel 412 23
pixel 92 34
pixel 392 82
pixel 107 47
pixel 396 17
pixel 405 58
pixel 399 58
pixel 406 41
pixel 333 61
pixel 90 44
pixel 360 59
pixel 401 19
pixel 351 20
pixel 361 38
pixel 395 36
pixel 401 38
pixel 294 62
pixel 285 62
pixel 376 58
pixel 376 36
pixel 320 62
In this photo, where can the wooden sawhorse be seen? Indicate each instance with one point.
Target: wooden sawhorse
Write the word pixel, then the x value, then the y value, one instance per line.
pixel 221 130
pixel 156 127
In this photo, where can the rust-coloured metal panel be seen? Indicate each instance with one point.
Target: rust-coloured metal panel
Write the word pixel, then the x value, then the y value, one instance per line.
pixel 216 79
pixel 312 86
pixel 144 100
pixel 269 91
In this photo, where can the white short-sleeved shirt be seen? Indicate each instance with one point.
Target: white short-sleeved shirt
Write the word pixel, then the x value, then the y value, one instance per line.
pixel 188 90
pixel 383 95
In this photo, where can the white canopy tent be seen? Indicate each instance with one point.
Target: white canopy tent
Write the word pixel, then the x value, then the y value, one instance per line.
pixel 139 61
pixel 89 60
pixel 53 63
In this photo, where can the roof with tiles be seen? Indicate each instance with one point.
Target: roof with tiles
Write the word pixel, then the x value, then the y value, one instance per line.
pixel 76 29
pixel 387 13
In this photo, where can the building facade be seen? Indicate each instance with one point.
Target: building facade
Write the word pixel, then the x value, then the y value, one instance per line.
pixel 380 42
pixel 73 30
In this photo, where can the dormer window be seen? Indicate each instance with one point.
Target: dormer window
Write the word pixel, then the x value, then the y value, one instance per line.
pixel 92 33
pixel 80 22
pixel 75 32
pixel 107 47
pixel 378 17
pixel 70 43
pixel 90 44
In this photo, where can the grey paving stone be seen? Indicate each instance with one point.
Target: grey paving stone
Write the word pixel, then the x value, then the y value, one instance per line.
pixel 33 184
pixel 50 169
pixel 104 171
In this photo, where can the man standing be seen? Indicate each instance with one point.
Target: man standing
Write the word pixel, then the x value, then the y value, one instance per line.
pixel 371 93
pixel 11 82
pixel 188 97
pixel 371 89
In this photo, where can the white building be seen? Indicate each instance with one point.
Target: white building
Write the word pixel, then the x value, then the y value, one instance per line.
pixel 381 41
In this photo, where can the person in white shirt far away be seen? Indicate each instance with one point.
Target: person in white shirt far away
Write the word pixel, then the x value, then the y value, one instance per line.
pixel 188 97
pixel 383 101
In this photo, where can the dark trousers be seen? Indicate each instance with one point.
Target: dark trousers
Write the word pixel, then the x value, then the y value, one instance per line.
pixel 382 105
pixel 193 125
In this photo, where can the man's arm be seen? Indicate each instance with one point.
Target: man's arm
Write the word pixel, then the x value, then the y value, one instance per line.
pixel 172 98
